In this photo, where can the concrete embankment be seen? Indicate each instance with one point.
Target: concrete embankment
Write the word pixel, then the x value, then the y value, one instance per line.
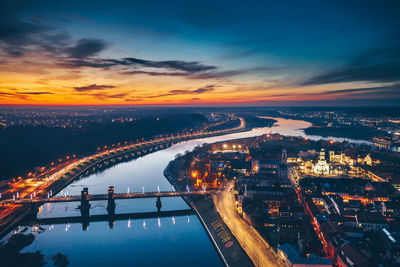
pixel 228 248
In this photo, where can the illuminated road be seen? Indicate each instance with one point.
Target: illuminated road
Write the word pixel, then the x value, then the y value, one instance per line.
pixel 250 240
pixel 26 187
pixel 42 186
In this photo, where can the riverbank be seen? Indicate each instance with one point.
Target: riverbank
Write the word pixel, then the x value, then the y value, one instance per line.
pixel 318 128
pixel 290 127
pixel 228 248
pixel 92 163
pixel 186 239
pixel 362 133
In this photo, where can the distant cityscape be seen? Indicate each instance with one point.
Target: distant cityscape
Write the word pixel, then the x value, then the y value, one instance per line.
pixel 317 203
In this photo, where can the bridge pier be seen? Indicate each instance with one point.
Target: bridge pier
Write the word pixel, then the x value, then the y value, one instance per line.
pixel 111 207
pixel 85 224
pixel 34 208
pixel 158 204
pixel 111 201
pixel 84 207
pixel 111 221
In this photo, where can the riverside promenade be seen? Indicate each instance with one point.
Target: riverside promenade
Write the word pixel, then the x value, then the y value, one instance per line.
pixel 228 248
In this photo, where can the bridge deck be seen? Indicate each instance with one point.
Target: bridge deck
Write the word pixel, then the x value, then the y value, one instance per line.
pixel 97 197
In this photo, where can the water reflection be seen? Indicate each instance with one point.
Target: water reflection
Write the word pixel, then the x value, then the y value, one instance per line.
pixel 150 242
pixel 176 240
pixel 171 240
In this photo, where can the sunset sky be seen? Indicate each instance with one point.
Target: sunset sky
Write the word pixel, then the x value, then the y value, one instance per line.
pixel 200 52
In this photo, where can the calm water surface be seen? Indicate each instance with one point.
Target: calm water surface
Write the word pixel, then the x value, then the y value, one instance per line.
pixel 174 241
pixel 295 128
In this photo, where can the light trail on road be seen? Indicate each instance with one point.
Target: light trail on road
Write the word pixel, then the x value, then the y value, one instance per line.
pixel 250 240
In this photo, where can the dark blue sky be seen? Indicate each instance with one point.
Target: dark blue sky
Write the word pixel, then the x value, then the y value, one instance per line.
pixel 201 52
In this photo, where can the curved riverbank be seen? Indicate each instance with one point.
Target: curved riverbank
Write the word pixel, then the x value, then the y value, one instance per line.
pixel 225 243
pixel 84 165
pixel 291 127
pixel 186 240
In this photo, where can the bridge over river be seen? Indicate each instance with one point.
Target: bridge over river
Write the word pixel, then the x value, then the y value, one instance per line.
pixel 111 216
pixel 98 197
pixel 85 198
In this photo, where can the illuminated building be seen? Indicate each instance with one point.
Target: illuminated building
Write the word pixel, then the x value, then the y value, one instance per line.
pixel 265 166
pixel 333 157
pixel 322 167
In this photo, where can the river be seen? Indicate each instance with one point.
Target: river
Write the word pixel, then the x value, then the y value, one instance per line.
pixel 173 241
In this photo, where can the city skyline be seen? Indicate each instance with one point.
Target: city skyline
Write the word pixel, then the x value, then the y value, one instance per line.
pixel 175 53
